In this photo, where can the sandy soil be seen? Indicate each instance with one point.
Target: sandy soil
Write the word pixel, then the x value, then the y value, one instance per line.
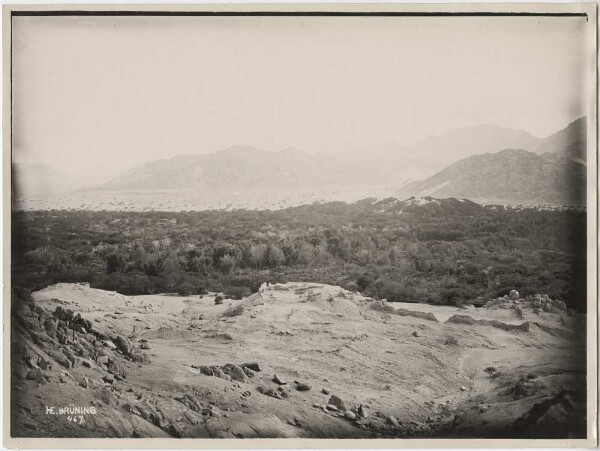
pixel 194 200
pixel 399 370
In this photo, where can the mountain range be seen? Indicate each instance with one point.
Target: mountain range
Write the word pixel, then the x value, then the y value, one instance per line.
pixel 240 167
pixel 485 162
pixel 554 172
pixel 396 163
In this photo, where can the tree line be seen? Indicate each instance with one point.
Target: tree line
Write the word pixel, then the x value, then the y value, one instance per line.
pixel 451 253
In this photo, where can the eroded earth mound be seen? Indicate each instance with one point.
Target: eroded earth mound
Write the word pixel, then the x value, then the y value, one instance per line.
pixel 293 360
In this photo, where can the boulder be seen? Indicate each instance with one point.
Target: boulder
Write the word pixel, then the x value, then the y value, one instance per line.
pixel 117 368
pixel 392 421
pixel 87 325
pixel 122 344
pixel 82 381
pixel 279 380
pixel 102 360
pixel 107 396
pixel 139 357
pixel 61 336
pixel 269 392
pixel 513 295
pixel 337 402
pixel 108 344
pixel 58 312
pixel 302 386
pixel 59 358
pixel 218 372
pixel 237 374
pixel 350 415
pixel 44 364
pixel 248 372
pixel 72 357
pixel 36 374
pixel 51 327
pixel 24 311
pixel 31 324
pixel 253 366
pixel 109 378
pixel 206 370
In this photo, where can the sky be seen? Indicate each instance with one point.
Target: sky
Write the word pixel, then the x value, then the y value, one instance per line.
pixel 100 95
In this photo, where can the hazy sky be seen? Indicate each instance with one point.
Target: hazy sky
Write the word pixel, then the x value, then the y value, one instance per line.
pixel 104 94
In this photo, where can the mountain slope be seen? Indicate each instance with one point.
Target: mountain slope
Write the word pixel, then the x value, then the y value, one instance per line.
pixel 393 162
pixel 238 167
pixel 509 175
pixel 441 150
pixel 570 141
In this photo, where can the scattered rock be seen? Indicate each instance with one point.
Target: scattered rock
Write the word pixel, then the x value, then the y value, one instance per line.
pixel 109 344
pixel 82 381
pixel 109 378
pixel 362 411
pixel 107 396
pixel 117 369
pixel 44 364
pixel 392 421
pixel 122 344
pixel 279 380
pixel 60 358
pixel 218 372
pixel 102 360
pixel 237 374
pixel 248 372
pixel 350 415
pixel 253 366
pixel 302 386
pixel 36 374
pixel 206 370
pixel 175 430
pixel 269 392
pixel 337 402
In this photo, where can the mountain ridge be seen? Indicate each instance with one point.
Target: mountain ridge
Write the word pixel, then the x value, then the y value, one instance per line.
pixel 237 167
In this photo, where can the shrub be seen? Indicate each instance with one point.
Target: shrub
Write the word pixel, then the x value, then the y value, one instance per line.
pixel 237 292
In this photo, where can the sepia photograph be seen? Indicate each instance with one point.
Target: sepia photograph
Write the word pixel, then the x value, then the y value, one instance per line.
pixel 300 222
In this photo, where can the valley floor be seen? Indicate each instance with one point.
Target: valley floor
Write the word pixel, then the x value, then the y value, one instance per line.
pixel 293 360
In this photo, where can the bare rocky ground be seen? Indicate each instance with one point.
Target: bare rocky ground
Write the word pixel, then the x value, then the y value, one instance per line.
pixel 294 360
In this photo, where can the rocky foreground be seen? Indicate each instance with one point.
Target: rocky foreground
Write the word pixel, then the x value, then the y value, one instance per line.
pixel 293 360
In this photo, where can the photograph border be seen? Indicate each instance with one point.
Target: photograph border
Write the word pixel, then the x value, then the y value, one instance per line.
pixel 320 10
